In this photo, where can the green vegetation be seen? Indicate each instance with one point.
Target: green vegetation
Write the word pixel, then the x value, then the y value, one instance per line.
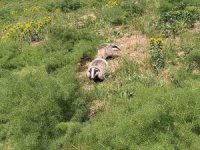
pixel 153 104
pixel 176 16
pixel 156 54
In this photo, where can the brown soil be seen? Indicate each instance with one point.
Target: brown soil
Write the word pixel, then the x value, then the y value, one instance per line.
pixel 95 107
pixel 134 47
pixel 196 72
pixel 36 43
pixel 88 16
pixel 196 28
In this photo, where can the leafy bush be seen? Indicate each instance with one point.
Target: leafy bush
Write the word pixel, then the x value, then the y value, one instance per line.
pixel 133 7
pixel 169 5
pixel 195 56
pixel 194 60
pixel 149 126
pixel 174 20
pixel 28 32
pixel 69 5
pixel 10 51
pixel 29 98
pixel 117 12
pixel 166 119
pixel 156 54
pixel 47 90
pixel 115 16
pixel 51 6
pixel 4 14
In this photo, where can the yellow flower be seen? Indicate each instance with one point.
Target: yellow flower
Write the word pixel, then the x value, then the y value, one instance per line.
pixel 7 35
pixel 47 19
pixel 111 3
pixel 40 24
pixel 27 27
pixel 22 34
pixel 34 9
pixel 156 41
pixel 12 30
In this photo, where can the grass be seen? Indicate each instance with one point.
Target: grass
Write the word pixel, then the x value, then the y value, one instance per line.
pixel 44 105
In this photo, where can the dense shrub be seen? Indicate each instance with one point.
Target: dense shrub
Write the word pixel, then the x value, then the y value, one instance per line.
pixel 167 119
pixel 133 7
pixel 52 6
pixel 42 87
pixel 115 16
pixel 39 103
pixel 194 60
pixel 154 123
pixel 176 17
pixel 119 12
pixel 4 14
pixel 195 56
pixel 69 5
pixel 156 54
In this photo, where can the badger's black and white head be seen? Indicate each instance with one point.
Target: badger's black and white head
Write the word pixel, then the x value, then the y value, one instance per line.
pixel 111 46
pixel 93 72
pixel 114 47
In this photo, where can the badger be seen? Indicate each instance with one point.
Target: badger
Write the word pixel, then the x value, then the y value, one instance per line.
pixel 107 50
pixel 97 68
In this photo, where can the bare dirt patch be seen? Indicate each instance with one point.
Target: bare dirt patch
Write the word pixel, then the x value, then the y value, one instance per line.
pixel 36 43
pixel 91 16
pixel 95 107
pixel 133 47
pixel 196 72
pixel 196 28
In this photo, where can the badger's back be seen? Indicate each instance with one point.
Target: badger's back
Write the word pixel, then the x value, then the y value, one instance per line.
pixel 106 50
pixel 99 62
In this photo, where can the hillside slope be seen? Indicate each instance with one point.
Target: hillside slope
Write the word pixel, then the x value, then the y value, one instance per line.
pixel 149 99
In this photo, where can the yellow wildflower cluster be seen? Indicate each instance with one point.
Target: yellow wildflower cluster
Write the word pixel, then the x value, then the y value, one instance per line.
pixel 42 22
pixel 35 9
pixel 26 30
pixel 157 58
pixel 112 3
pixel 156 41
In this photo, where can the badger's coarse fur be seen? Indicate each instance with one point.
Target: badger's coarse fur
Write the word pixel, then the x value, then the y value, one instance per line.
pixel 97 69
pixel 107 50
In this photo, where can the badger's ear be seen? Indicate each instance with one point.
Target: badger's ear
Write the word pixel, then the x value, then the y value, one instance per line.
pixel 96 69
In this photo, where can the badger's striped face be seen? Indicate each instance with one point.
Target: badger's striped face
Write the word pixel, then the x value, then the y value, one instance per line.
pixel 115 48
pixel 93 72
